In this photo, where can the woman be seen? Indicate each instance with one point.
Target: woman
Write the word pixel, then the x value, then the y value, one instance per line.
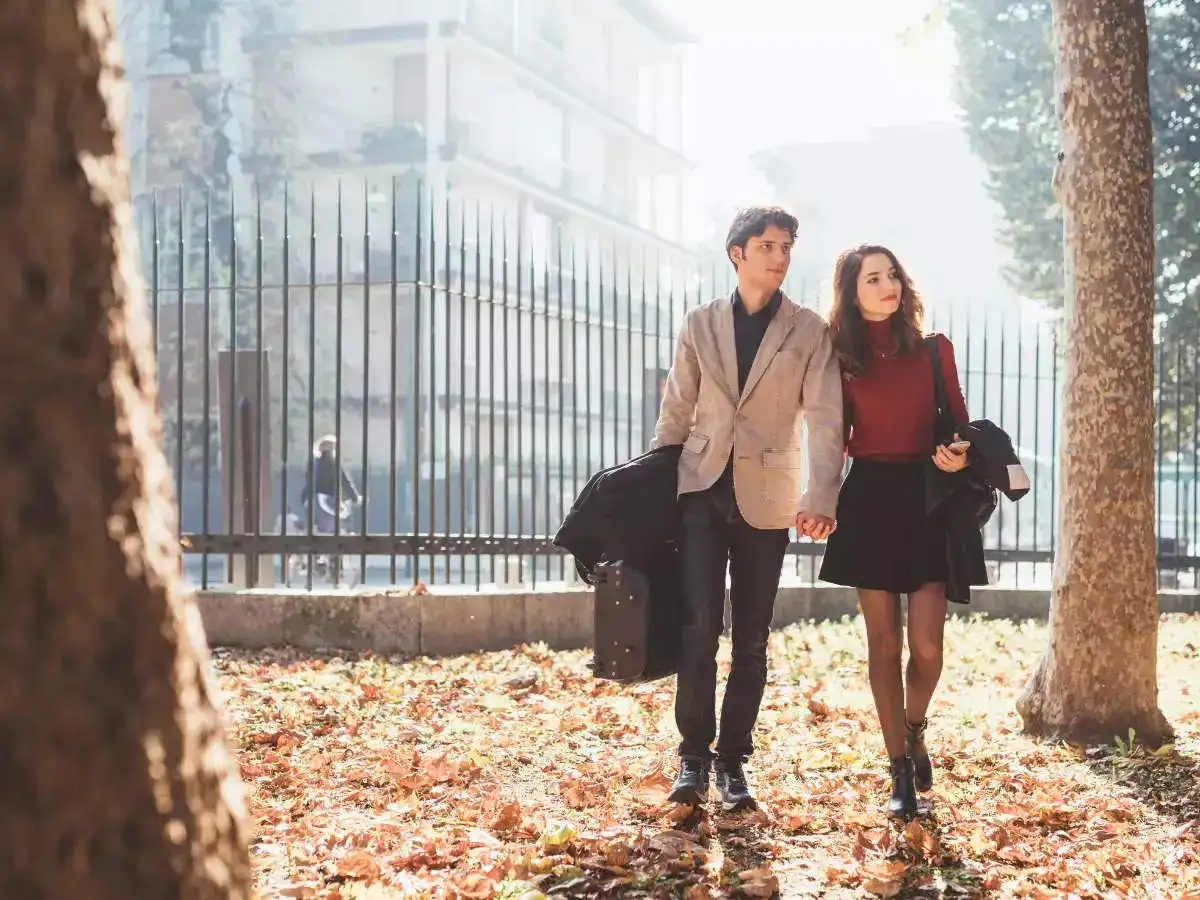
pixel 885 545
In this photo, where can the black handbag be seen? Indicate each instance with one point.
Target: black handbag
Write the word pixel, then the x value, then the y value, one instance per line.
pixel 944 426
pixel 939 484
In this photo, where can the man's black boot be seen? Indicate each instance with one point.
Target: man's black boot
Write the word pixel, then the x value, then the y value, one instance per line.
pixel 691 787
pixel 731 782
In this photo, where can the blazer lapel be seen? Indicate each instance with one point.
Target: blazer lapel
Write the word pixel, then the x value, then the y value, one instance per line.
pixel 777 331
pixel 726 345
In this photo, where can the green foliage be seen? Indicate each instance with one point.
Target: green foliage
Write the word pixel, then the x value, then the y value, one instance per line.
pixel 1006 88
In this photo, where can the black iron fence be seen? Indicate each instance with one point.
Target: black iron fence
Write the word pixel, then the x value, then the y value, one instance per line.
pixel 475 369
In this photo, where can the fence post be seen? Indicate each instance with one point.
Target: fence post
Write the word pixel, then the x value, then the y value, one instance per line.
pixel 244 410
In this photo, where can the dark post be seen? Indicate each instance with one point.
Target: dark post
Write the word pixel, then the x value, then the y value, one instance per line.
pixel 245 487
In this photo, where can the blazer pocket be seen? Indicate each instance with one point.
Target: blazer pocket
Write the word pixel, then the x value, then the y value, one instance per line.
pixel 696 443
pixel 782 459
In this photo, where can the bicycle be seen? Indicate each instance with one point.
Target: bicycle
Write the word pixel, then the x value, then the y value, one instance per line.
pixel 326 566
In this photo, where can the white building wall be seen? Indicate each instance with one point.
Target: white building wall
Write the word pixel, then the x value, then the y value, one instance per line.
pixel 342 95
pixel 321 15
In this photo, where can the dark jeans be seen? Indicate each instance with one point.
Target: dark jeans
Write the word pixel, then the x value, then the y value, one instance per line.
pixel 713 536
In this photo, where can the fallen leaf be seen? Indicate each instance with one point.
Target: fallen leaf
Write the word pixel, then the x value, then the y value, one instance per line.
pixel 507 817
pixel 760 882
pixel 557 836
pixel 673 843
pixel 475 887
pixel 654 788
pixel 358 865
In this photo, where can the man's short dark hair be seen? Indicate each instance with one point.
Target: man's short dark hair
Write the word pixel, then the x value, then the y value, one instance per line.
pixel 753 221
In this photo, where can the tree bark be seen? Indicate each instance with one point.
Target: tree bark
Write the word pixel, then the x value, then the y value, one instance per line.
pixel 115 782
pixel 1098 678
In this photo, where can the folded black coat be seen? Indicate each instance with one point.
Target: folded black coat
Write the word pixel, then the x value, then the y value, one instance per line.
pixel 626 513
pixel 622 531
pixel 965 501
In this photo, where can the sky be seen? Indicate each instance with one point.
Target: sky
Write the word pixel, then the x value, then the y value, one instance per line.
pixel 781 71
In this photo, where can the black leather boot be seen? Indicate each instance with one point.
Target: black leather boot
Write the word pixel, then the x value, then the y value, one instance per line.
pixel 903 802
pixel 731 783
pixel 691 787
pixel 919 754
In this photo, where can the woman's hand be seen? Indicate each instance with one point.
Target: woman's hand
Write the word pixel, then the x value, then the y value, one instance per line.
pixel 813 526
pixel 951 460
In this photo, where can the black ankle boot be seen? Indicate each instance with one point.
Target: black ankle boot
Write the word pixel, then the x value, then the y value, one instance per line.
pixel 691 787
pixel 917 751
pixel 732 785
pixel 903 802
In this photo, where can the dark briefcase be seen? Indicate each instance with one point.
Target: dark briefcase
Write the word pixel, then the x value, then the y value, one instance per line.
pixel 637 621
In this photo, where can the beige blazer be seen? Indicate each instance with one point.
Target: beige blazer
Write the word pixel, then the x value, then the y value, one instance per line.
pixel 795 378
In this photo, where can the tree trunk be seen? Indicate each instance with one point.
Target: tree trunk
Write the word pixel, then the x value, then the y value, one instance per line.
pixel 1099 676
pixel 114 777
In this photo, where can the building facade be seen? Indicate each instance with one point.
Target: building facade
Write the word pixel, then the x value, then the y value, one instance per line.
pixel 558 116
pixel 543 147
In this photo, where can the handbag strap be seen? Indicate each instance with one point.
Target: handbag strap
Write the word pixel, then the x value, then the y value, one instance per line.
pixel 941 405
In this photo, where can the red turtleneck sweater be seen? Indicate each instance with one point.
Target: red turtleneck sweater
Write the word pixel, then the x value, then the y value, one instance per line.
pixel 889 410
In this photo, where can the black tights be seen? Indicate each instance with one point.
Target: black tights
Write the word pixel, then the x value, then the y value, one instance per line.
pixel 896 697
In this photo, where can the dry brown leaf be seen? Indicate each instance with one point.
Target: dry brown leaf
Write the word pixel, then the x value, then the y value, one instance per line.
pixel 508 816
pixel 653 789
pixel 876 839
pixel 920 840
pixel 818 711
pixel 475 887
pixel 795 821
pixel 358 865
pixel 884 878
pixel 760 882
pixel 679 812
pixel 428 768
pixel 881 887
pixel 673 843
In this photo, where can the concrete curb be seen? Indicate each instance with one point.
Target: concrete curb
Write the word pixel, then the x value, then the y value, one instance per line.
pixel 450 621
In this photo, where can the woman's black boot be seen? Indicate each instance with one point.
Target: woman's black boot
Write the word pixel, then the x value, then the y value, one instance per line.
pixel 919 753
pixel 903 802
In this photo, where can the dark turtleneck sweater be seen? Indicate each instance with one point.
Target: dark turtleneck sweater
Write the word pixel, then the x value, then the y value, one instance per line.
pixel 889 410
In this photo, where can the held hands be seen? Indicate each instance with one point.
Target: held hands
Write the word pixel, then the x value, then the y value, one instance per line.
pixel 813 526
pixel 952 457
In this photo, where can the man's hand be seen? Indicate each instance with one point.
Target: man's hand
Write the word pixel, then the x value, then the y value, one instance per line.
pixel 816 527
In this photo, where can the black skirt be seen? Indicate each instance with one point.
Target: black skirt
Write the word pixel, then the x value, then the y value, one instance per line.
pixel 884 540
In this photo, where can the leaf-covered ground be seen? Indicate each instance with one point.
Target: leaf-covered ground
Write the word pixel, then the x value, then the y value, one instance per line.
pixel 519 775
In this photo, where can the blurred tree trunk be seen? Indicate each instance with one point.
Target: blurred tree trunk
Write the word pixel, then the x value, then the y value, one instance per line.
pixel 1099 676
pixel 115 782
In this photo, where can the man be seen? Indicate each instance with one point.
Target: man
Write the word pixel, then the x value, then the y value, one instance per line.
pixel 331 484
pixel 748 370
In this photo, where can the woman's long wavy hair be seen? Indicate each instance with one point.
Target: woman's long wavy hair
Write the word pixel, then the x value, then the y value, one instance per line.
pixel 846 324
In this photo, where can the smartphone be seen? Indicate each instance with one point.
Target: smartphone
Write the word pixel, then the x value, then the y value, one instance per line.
pixel 960 446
